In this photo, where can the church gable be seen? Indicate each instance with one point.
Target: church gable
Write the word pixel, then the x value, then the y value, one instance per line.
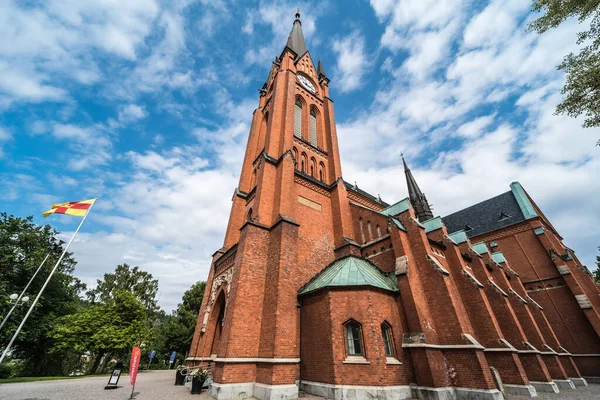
pixel 306 66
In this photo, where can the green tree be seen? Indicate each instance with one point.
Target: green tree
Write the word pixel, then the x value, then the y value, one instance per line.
pixel 110 328
pixel 23 246
pixel 582 88
pixel 177 332
pixel 596 273
pixel 134 280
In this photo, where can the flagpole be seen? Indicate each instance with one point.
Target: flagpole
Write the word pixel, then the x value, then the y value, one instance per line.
pixel 45 284
pixel 23 292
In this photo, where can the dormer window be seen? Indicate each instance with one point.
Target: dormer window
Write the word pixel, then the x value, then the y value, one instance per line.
pixel 503 216
pixel 468 228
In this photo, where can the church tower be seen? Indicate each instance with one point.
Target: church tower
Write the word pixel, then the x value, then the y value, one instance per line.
pixel 289 218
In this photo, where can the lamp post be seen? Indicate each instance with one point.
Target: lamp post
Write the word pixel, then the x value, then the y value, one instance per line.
pixel 19 299
pixel 16 301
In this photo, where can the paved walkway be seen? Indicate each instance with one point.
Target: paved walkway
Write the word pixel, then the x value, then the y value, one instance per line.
pixel 159 385
pixel 153 385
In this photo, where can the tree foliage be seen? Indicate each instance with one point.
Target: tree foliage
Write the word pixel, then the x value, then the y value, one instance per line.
pixel 582 88
pixel 23 246
pixel 134 280
pixel 112 327
pixel 596 273
pixel 177 332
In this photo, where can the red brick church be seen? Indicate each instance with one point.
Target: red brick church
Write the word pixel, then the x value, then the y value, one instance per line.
pixel 324 288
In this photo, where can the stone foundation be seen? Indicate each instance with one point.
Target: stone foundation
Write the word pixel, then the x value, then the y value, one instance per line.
pixel 261 391
pixel 579 381
pixel 347 392
pixel 545 387
pixel 520 390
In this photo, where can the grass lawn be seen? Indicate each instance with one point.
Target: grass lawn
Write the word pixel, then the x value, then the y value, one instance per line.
pixel 51 378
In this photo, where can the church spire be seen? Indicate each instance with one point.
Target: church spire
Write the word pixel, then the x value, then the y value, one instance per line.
pixel 417 198
pixel 296 39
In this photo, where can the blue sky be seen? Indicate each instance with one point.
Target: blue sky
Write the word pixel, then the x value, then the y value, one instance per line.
pixel 148 103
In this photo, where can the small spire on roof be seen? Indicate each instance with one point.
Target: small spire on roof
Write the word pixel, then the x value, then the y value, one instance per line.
pixel 320 70
pixel 298 13
pixel 355 185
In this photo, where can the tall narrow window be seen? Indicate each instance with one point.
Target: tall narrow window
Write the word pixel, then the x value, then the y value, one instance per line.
pixel 298 119
pixel 378 229
pixel 370 229
pixel 353 339
pixel 313 128
pixel 386 333
pixel 362 230
pixel 313 167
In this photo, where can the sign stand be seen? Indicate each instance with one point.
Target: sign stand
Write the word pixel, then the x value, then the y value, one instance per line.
pixel 152 353
pixel 114 379
pixel 172 359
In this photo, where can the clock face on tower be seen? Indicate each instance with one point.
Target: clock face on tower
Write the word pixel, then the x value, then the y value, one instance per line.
pixel 306 83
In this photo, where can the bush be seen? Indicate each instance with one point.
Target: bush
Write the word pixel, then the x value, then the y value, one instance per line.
pixel 7 370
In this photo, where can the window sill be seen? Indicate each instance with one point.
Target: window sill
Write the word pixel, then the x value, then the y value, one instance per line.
pixel 356 360
pixel 392 361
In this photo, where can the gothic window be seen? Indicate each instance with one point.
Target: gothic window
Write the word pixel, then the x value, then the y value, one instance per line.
pixel 388 346
pixel 322 172
pixel 304 162
pixel 353 339
pixel 263 132
pixel 370 229
pixel 362 230
pixel 249 216
pixel 296 159
pixel 298 119
pixel 313 166
pixel 378 229
pixel 313 128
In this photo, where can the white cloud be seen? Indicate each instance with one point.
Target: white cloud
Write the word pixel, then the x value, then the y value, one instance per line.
pixel 131 113
pixel 474 128
pixel 352 61
pixel 89 146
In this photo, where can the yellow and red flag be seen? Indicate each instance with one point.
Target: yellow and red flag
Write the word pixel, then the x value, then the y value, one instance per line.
pixel 77 208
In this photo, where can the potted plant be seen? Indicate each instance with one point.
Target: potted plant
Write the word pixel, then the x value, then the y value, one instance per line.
pixel 180 375
pixel 199 376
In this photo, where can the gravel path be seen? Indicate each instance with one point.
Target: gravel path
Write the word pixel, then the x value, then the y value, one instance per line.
pixel 159 385
pixel 153 385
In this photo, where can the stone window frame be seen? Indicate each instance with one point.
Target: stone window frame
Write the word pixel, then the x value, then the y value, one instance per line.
pixel 386 328
pixel 354 358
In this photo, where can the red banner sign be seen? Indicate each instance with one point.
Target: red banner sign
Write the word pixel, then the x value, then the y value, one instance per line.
pixel 134 363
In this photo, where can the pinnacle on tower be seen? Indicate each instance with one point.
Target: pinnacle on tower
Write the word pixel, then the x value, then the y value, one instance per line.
pixel 296 39
pixel 417 198
pixel 320 70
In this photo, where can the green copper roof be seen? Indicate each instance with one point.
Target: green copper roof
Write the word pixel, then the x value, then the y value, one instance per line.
pixel 398 224
pixel 458 236
pixel 539 230
pixel 523 201
pixel 432 224
pixel 351 271
pixel 480 248
pixel 397 208
pixel 498 257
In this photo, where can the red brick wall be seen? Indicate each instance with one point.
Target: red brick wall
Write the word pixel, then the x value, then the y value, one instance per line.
pixel 324 315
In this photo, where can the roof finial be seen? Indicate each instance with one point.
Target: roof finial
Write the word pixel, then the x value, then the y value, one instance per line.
pixel 404 162
pixel 298 13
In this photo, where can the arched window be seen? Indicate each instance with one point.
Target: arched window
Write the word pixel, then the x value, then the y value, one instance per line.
pixel 313 166
pixel 322 172
pixel 249 215
pixel 296 159
pixel 370 229
pixel 298 119
pixel 313 128
pixel 378 229
pixel 353 339
pixel 388 345
pixel 262 133
pixel 304 163
pixel 362 230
